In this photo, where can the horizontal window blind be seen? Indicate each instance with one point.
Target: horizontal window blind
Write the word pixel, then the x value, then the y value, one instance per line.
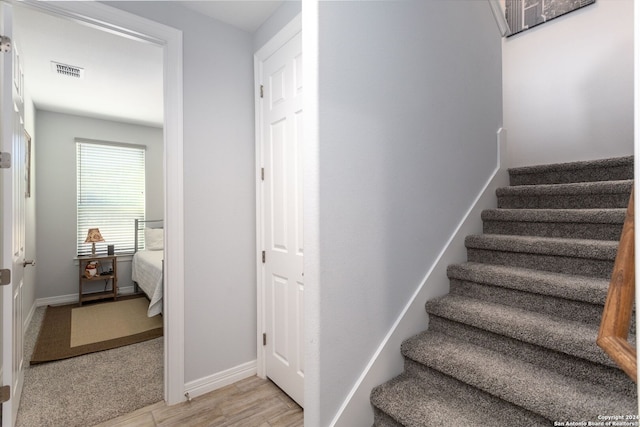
pixel 111 185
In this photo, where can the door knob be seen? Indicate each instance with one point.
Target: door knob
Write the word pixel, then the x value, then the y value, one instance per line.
pixel 29 262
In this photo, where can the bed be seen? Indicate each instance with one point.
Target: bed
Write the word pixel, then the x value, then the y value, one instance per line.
pixel 148 263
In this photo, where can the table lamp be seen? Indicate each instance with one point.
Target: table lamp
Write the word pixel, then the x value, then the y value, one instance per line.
pixel 94 236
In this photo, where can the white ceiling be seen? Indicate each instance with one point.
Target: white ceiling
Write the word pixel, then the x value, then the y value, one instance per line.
pixel 122 77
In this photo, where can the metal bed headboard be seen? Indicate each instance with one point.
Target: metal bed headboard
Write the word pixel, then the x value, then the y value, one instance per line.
pixel 159 224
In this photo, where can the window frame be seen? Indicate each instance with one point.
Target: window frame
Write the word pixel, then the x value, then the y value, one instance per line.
pixel 137 209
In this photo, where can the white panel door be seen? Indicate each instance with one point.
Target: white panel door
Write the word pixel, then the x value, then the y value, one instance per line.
pixel 12 141
pixel 282 228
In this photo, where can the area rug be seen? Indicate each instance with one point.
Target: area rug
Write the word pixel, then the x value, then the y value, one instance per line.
pixel 69 330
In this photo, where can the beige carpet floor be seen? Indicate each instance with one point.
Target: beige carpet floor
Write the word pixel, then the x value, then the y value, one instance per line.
pixel 86 390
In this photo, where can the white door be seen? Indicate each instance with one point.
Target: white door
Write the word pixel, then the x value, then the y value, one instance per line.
pixel 12 141
pixel 283 293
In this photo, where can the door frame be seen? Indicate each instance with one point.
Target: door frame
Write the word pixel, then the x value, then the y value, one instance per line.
pixel 123 23
pixel 275 43
pixel 13 201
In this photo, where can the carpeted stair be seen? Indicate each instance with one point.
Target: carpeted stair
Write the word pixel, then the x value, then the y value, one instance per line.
pixel 514 342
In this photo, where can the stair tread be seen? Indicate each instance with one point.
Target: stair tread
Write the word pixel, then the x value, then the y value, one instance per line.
pixel 413 403
pixel 580 288
pixel 579 248
pixel 571 166
pixel 592 216
pixel 574 188
pixel 532 387
pixel 554 333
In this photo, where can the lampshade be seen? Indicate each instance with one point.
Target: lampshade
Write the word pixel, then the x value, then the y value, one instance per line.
pixel 94 236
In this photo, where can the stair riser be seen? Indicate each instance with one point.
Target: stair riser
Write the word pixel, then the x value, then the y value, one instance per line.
pixel 554 229
pixel 555 334
pixel 437 400
pixel 380 419
pixel 562 363
pixel 558 264
pixel 578 288
pixel 553 306
pixel 578 201
pixel 552 396
pixel 615 173
pixel 507 413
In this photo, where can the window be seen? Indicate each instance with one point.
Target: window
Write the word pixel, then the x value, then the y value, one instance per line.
pixel 111 185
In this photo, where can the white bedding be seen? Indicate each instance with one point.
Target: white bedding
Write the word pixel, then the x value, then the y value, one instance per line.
pixel 146 270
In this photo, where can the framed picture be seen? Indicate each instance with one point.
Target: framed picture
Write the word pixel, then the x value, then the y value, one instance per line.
pixel 524 14
pixel 27 164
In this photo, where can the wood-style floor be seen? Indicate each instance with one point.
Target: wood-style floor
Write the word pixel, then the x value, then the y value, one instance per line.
pixel 252 402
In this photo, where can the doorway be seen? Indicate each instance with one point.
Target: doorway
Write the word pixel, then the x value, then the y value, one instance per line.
pixel 62 131
pixel 106 18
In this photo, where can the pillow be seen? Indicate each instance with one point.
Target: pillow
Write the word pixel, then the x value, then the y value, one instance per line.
pixel 154 239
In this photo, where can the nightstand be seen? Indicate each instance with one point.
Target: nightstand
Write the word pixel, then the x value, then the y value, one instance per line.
pixel 107 272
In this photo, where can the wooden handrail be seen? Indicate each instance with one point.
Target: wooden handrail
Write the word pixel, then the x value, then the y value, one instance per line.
pixel 616 317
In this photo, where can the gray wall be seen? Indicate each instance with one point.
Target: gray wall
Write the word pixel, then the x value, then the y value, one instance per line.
pixel 568 87
pixel 219 193
pixel 56 272
pixel 281 17
pixel 29 280
pixel 409 104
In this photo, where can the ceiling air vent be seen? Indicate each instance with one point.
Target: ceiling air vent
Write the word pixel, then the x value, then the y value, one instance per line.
pixel 67 70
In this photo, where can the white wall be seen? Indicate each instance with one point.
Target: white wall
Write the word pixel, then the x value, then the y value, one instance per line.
pixel 568 86
pixel 409 104
pixel 219 194
pixel 56 272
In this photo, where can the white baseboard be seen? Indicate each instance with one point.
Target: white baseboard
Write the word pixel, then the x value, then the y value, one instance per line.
pixel 27 320
pixel 218 380
pixel 71 298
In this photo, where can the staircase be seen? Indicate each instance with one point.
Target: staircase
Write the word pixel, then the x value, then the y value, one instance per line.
pixel 514 342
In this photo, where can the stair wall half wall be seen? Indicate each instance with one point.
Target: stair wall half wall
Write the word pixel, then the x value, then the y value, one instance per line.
pixel 387 362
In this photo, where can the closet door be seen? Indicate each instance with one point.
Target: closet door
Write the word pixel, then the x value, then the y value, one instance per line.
pixel 282 227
